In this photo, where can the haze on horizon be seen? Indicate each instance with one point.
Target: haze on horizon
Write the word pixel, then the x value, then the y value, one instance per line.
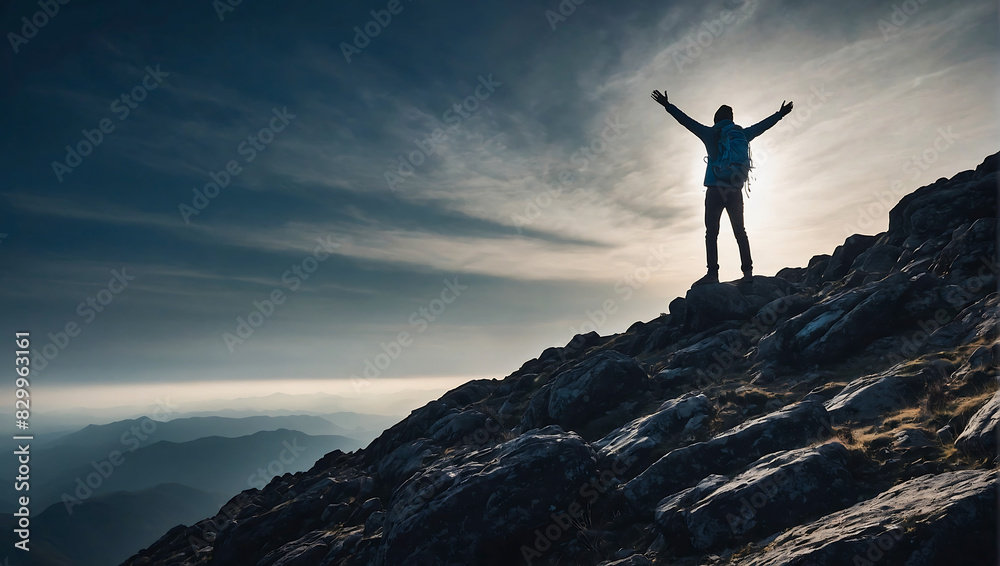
pixel 473 262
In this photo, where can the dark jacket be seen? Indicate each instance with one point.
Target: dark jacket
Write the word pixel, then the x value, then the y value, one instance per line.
pixel 709 135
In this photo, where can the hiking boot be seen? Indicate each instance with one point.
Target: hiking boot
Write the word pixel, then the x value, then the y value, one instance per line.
pixel 710 277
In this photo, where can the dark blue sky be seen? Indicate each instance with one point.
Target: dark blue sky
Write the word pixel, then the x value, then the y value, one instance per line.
pixel 482 210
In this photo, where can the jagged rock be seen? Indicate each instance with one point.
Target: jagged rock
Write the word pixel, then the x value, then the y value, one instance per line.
pixel 402 462
pixel 710 305
pixel 815 269
pixel 672 511
pixel 413 427
pixel 584 391
pixel 792 274
pixel 879 259
pixel 788 428
pixel 867 398
pixel 968 254
pixel 943 206
pixel 374 522
pixel 910 438
pixel 366 510
pixel 946 434
pixel 983 357
pixel 979 321
pixel 554 357
pixel 678 308
pixel 306 551
pixel 980 436
pixel 838 324
pixel 482 507
pixel 845 254
pixel 778 491
pixel 925 521
pixel 247 540
pixel 638 440
pixel 649 337
pixel 656 340
pixel 461 426
pixel 336 513
pixel 730 343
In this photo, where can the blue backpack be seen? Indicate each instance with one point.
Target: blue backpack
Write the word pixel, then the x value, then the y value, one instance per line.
pixel 734 162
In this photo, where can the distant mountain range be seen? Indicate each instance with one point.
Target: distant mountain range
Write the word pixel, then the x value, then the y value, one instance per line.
pixel 101 464
pixel 106 529
pixel 103 492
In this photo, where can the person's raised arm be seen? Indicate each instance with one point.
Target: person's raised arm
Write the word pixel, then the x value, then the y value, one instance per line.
pixel 767 123
pixel 696 128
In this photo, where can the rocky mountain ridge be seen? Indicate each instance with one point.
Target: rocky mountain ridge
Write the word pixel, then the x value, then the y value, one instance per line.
pixel 840 413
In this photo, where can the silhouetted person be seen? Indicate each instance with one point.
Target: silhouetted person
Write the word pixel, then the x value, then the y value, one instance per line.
pixel 722 193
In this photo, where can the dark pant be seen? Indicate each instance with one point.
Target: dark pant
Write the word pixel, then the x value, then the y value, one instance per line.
pixel 717 199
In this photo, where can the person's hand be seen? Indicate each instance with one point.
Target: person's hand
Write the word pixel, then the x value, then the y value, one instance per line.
pixel 660 98
pixel 785 108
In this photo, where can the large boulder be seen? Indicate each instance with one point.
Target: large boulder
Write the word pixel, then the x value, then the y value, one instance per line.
pixel 584 391
pixel 790 427
pixel 870 397
pixel 778 491
pixel 482 507
pixel 419 422
pixel 815 269
pixel 980 435
pixel 638 441
pixel 879 259
pixel 720 346
pixel 282 515
pixel 930 520
pixel 406 459
pixel 977 322
pixel 944 205
pixel 709 305
pixel 839 324
pixel 845 254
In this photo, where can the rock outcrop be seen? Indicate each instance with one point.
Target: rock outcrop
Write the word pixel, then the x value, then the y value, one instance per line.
pixel 844 412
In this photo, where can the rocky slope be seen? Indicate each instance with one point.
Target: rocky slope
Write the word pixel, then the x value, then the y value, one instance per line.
pixel 841 413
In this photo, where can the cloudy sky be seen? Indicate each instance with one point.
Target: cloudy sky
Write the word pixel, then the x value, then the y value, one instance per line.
pixel 444 192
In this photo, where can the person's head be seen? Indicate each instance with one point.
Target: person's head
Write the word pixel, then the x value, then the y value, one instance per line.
pixel 723 113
